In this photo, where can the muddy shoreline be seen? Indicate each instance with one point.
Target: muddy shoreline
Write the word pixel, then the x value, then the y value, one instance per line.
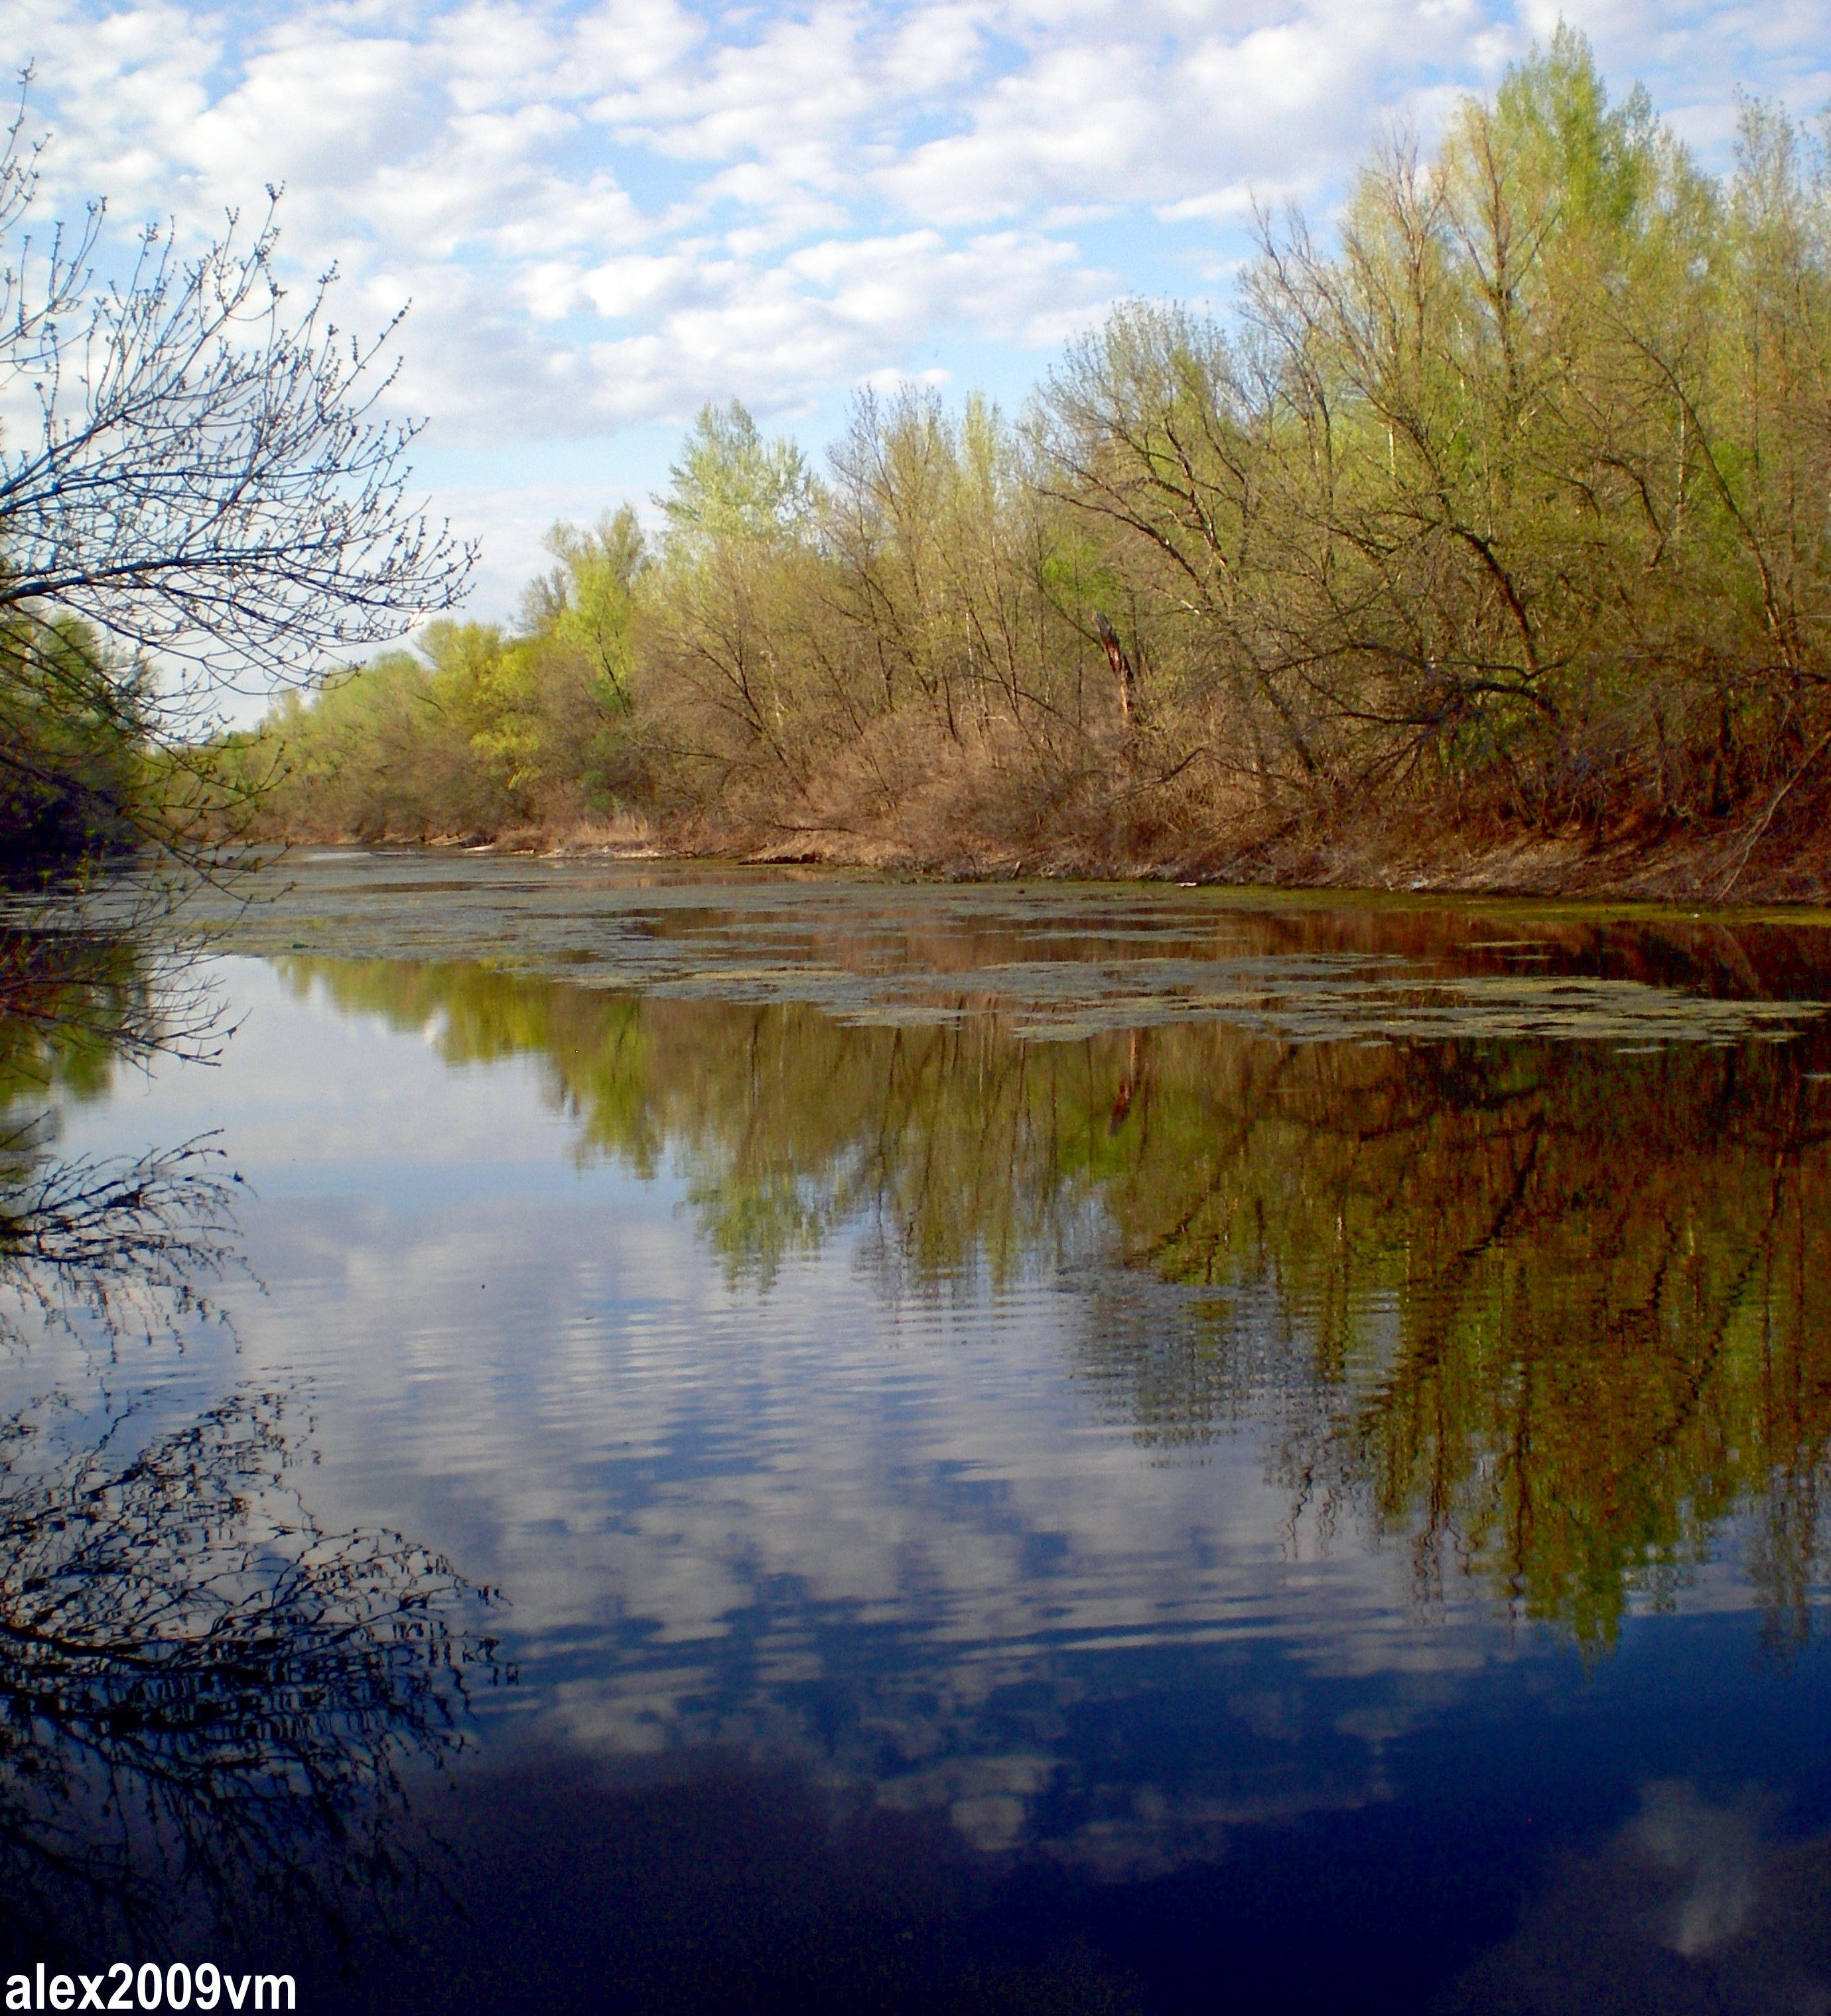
pixel 1709 868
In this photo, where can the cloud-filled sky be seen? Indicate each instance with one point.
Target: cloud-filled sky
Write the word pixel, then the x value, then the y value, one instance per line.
pixel 603 214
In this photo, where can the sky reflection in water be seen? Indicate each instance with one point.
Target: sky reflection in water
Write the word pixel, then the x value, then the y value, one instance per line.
pixel 1336 1472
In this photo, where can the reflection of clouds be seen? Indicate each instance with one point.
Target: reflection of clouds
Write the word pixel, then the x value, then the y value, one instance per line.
pixel 894 1539
pixel 1715 1850
pixel 1697 1904
pixel 911 1541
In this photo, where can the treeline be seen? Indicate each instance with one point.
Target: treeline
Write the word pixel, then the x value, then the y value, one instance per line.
pixel 1502 519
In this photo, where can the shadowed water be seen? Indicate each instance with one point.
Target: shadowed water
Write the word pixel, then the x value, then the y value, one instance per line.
pixel 884 1446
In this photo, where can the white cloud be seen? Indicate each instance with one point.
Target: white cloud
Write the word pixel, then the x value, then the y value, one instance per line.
pixel 887 382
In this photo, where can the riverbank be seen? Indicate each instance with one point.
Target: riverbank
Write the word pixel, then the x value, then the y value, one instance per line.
pixel 1788 861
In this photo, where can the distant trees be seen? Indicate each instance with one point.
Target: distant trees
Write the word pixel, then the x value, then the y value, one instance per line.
pixel 203 496
pixel 1508 507
pixel 477 730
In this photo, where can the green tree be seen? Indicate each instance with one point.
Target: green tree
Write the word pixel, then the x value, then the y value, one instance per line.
pixel 555 710
pixel 731 484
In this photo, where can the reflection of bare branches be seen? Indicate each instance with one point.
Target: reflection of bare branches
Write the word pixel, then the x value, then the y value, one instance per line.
pixel 207 1702
pixel 124 1243
pixel 202 1691
pixel 82 986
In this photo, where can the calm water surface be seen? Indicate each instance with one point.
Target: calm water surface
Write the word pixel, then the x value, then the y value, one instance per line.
pixel 775 1442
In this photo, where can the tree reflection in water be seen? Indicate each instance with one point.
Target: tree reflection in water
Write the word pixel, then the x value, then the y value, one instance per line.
pixel 115 1249
pixel 203 1690
pixel 1555 1312
pixel 210 1705
pixel 118 1247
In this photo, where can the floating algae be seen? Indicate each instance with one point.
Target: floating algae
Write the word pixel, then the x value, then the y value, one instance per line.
pixel 1067 962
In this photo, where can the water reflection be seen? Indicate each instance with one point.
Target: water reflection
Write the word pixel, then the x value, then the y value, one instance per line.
pixel 1550 1313
pixel 111 1250
pixel 1028 1477
pixel 1694 1903
pixel 117 1245
pixel 209 1702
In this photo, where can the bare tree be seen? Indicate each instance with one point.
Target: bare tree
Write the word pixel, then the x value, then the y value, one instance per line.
pixel 200 491
pixel 210 479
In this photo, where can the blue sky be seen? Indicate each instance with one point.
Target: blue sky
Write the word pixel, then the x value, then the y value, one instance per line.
pixel 604 214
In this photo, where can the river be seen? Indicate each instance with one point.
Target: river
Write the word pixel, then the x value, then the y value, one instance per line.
pixel 657 1437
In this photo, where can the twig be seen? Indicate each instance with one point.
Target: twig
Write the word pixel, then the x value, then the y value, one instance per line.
pixel 1817 750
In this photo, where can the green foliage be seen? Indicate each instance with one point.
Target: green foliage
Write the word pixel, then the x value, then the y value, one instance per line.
pixel 384 752
pixel 75 784
pixel 1517 487
pixel 71 1005
pixel 731 485
pixel 1578 162
pixel 554 711
pixel 476 730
